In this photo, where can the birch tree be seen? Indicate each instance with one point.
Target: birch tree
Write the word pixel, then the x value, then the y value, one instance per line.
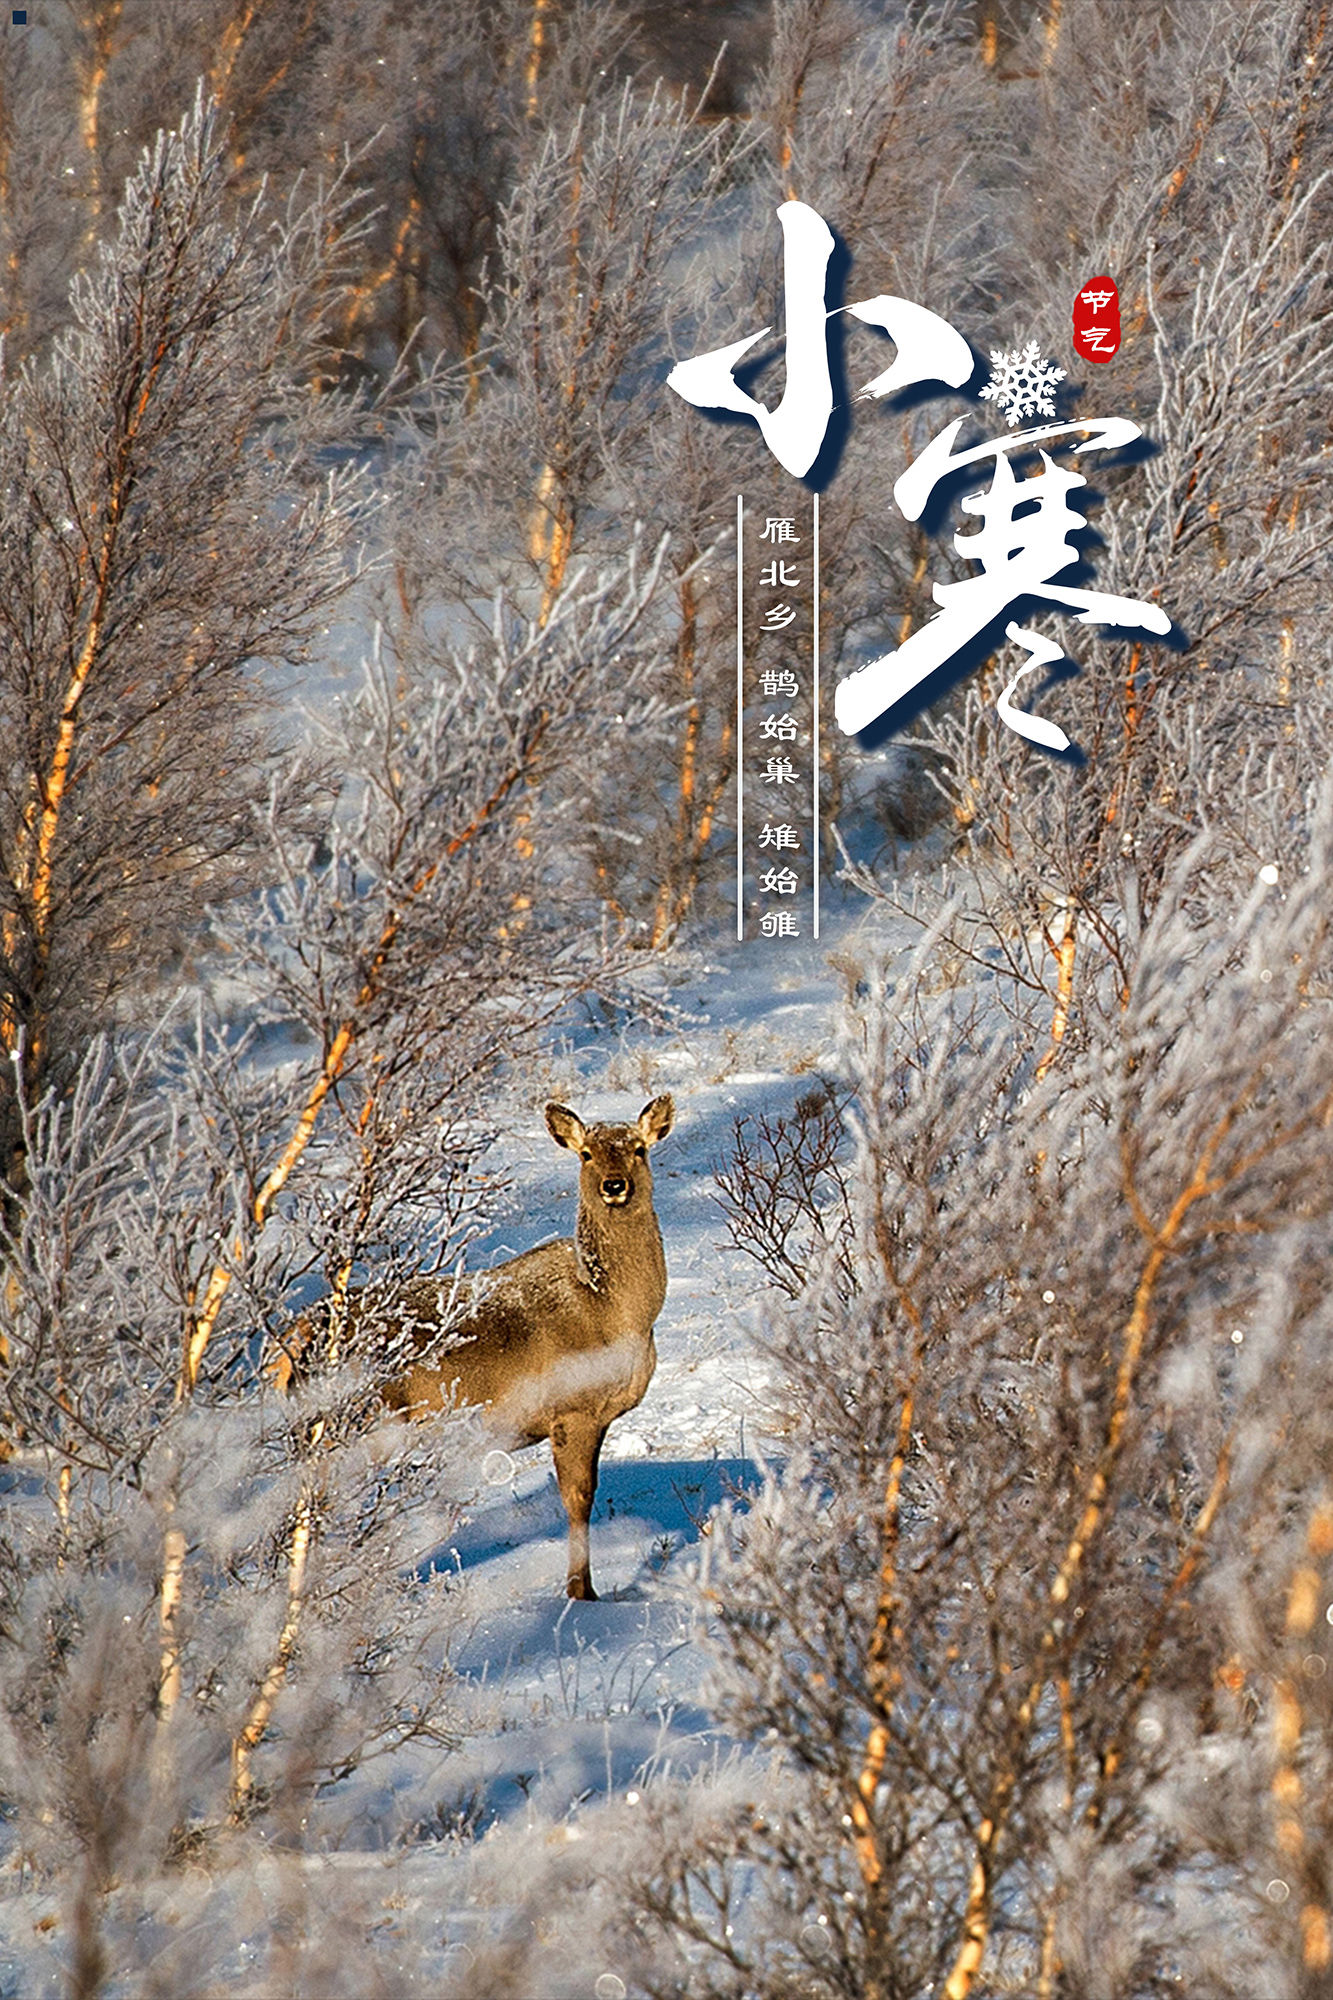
pixel 167 527
pixel 1212 215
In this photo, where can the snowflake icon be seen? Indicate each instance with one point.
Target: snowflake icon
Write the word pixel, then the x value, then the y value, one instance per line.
pixel 1022 383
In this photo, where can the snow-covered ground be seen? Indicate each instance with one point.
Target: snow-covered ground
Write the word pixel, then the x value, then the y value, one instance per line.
pixel 563 1705
pixel 575 1700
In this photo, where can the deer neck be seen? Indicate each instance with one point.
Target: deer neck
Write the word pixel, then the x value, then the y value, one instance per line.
pixel 619 1253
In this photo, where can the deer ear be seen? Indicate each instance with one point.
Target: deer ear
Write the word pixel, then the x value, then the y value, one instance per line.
pixel 564 1127
pixel 656 1120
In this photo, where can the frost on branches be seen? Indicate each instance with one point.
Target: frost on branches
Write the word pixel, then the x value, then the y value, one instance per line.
pixel 1022 383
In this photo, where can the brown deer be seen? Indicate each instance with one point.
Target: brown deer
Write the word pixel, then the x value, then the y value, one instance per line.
pixel 556 1343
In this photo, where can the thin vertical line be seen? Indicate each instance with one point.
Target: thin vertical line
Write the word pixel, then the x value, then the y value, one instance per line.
pixel 816 752
pixel 740 717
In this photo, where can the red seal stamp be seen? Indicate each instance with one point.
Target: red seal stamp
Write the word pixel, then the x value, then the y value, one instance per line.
pixel 1096 319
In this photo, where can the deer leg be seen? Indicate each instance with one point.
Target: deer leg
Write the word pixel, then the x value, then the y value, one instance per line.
pixel 576 1441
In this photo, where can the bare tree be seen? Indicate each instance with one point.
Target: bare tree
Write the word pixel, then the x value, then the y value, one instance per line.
pixel 972 1607
pixel 167 525
pixel 1214 223
pixel 442 112
pixel 137 1737
pixel 267 1629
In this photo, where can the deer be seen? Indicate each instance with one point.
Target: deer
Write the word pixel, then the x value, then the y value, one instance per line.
pixel 558 1342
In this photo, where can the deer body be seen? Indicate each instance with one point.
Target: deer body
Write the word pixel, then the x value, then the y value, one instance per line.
pixel 556 1343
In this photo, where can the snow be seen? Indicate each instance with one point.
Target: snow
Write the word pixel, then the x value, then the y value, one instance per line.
pixel 563 1706
pixel 572 1701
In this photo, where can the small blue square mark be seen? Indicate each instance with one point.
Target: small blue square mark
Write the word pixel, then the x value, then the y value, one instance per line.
pixel 19 17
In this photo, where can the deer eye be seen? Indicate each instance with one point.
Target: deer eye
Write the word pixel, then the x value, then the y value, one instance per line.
pixel 585 1154
pixel 640 1152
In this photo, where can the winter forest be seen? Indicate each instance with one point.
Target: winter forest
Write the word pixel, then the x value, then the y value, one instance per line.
pixel 368 823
